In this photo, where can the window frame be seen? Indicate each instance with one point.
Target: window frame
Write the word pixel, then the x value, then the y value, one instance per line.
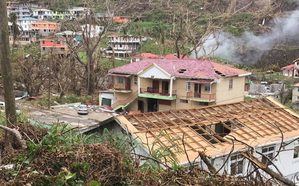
pixel 207 87
pixel 135 80
pixel 297 157
pixel 120 80
pixel 237 164
pixel 268 153
pixel 188 86
pixel 231 84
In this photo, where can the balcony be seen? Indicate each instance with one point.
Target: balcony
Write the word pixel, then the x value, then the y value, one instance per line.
pixel 118 87
pixel 153 93
pixel 201 97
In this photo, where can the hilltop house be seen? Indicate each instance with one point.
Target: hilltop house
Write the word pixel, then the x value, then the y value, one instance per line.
pixel 221 133
pixel 44 28
pixel 53 46
pixel 291 70
pixel 123 45
pixel 19 9
pixel 295 96
pixel 77 12
pixel 42 13
pixel 163 84
pixel 91 30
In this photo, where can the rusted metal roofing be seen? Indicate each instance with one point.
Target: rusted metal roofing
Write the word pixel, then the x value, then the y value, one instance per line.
pixel 213 130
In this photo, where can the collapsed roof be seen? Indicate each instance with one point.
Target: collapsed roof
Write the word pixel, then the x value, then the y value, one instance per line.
pixel 213 130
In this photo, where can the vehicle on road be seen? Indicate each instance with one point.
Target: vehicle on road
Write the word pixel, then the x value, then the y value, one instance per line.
pixel 82 109
pixel 2 108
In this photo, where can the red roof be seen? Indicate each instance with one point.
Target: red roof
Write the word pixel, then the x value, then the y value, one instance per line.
pixel 289 67
pixel 173 56
pixel 52 44
pixel 183 68
pixel 146 56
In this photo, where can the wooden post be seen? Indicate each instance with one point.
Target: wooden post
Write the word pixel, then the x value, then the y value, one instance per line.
pixel 171 87
pixel 138 84
pixel 7 78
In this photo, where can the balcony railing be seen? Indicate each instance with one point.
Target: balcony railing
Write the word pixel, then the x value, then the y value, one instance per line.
pixel 151 90
pixel 203 96
pixel 119 86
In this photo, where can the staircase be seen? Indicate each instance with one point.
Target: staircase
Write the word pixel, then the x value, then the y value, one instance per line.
pixel 124 103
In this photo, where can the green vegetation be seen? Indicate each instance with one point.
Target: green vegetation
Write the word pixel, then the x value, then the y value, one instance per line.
pixel 155 47
pixel 239 23
pixel 60 156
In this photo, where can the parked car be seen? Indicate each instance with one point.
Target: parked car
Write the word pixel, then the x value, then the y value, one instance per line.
pixel 2 108
pixel 82 110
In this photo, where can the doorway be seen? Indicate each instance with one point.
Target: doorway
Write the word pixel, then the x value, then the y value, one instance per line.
pixel 197 90
pixel 141 106
pixel 156 86
pixel 165 87
pixel 152 105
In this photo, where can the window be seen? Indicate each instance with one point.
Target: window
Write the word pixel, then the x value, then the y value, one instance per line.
pixel 296 152
pixel 106 102
pixel 231 84
pixel 203 103
pixel 120 80
pixel 268 153
pixel 188 86
pixel 236 165
pixel 207 88
pixel 183 101
pixel 135 80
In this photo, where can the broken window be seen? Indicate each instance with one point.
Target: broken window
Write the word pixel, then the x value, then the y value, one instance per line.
pixel 237 164
pixel 268 153
pixel 296 152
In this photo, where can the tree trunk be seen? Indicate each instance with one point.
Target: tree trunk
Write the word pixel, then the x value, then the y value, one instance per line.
pixel 10 108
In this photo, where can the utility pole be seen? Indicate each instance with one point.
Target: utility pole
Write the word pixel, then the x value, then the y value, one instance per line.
pixel 7 78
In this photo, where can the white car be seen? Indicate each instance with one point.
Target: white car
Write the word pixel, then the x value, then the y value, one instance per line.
pixel 2 108
pixel 82 110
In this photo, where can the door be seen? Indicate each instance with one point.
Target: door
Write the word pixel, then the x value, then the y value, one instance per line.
pixel 128 83
pixel 156 86
pixel 197 90
pixel 106 102
pixel 152 105
pixel 141 106
pixel 165 87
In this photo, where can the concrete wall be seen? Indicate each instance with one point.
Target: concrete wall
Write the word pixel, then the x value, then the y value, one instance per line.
pixel 224 95
pixel 295 95
pixel 285 162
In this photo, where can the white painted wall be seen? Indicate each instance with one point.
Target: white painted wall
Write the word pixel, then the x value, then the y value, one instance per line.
pixel 107 95
pixel 285 162
pixel 154 72
pixel 295 97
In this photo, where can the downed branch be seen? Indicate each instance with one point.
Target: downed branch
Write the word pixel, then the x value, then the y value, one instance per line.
pixel 19 142
pixel 207 162
pixel 265 168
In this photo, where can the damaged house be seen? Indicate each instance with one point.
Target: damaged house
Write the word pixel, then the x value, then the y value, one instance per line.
pixel 229 135
pixel 161 84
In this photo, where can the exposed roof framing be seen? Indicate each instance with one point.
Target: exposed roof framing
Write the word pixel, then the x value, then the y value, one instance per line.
pixel 212 129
